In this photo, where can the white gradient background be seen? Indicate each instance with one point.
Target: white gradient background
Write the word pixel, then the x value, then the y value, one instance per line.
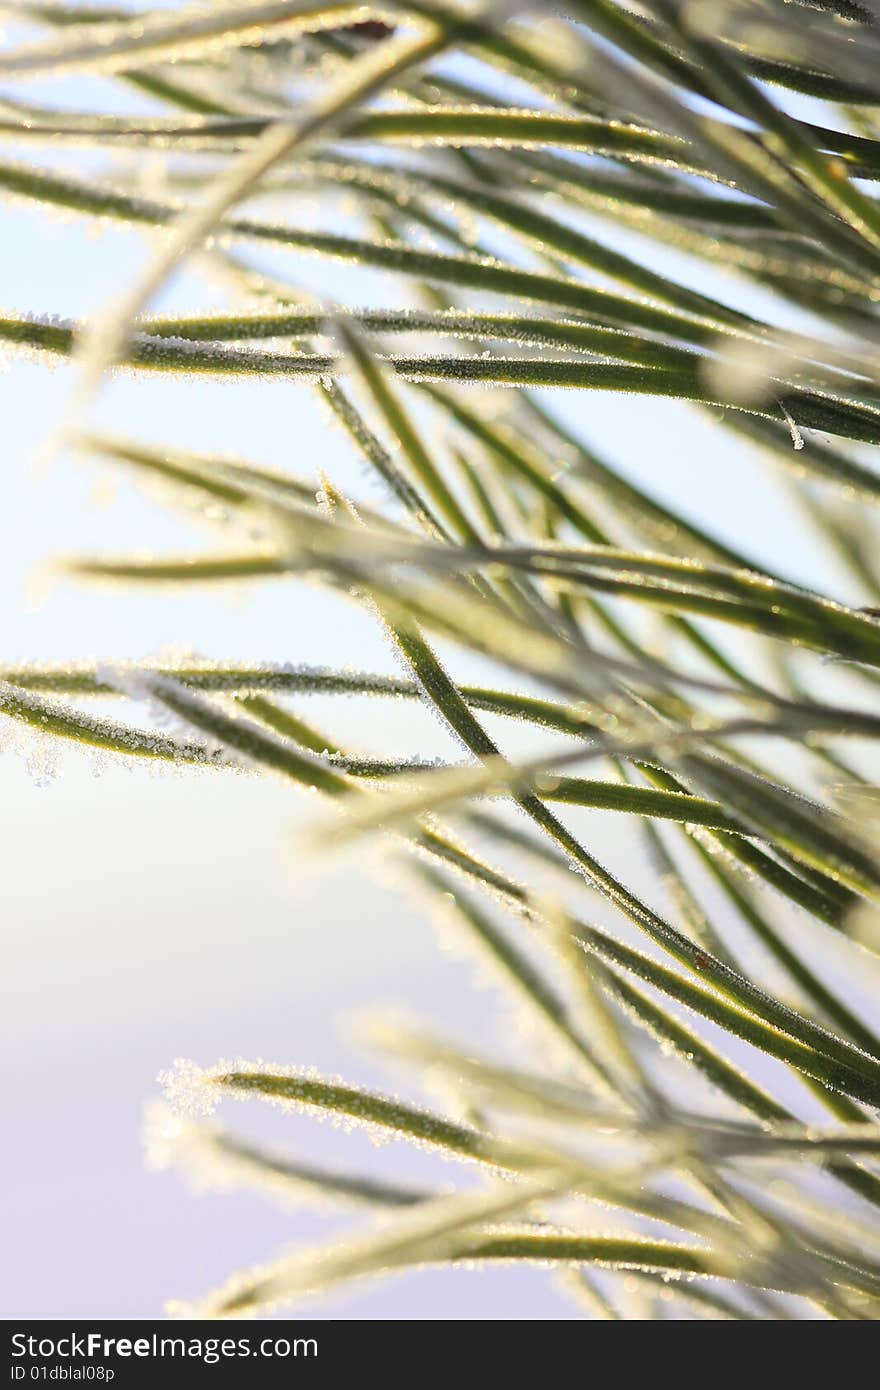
pixel 154 914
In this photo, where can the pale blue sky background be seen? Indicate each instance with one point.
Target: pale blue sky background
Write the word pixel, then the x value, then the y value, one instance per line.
pixel 148 915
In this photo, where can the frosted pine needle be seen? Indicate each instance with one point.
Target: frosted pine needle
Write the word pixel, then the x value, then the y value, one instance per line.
pixel 530 217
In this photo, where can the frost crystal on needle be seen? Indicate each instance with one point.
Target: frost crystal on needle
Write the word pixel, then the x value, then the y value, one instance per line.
pixel 189 1089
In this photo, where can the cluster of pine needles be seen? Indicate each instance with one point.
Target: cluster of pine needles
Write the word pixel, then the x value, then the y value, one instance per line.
pixel 638 1146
